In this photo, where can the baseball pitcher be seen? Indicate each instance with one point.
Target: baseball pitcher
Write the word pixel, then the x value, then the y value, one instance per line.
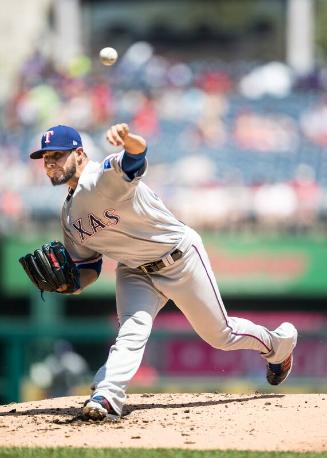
pixel 110 211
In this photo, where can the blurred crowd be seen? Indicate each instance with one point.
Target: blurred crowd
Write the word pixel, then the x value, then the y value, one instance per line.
pixel 232 145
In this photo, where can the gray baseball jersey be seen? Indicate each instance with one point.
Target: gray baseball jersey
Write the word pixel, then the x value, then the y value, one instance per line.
pixel 110 214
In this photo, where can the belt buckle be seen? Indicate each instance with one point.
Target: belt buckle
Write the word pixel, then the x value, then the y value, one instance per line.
pixel 177 254
pixel 144 267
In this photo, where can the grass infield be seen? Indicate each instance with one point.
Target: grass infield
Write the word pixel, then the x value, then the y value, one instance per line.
pixel 146 453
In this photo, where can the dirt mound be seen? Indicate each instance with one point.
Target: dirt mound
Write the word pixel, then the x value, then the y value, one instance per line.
pixel 197 421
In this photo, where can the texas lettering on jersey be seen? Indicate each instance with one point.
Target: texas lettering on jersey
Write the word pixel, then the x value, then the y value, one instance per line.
pixel 88 227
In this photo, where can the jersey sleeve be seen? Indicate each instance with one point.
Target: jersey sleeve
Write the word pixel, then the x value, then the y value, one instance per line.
pixel 133 164
pixel 79 253
pixel 120 174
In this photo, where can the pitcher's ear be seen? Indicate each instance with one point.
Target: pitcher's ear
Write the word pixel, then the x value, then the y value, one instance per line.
pixel 79 154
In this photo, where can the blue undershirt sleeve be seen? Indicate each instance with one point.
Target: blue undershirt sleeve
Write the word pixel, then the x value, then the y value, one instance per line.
pixel 97 265
pixel 133 163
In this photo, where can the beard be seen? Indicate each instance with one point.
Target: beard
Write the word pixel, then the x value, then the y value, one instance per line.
pixel 65 177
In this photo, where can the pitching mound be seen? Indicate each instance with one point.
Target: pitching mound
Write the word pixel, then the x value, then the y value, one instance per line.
pixel 198 421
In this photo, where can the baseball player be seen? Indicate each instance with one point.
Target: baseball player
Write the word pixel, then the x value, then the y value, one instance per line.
pixel 110 211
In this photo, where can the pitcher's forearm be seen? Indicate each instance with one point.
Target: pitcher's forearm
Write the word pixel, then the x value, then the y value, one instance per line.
pixel 87 277
pixel 134 144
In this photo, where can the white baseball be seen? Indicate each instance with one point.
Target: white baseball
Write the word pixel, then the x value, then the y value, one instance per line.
pixel 108 56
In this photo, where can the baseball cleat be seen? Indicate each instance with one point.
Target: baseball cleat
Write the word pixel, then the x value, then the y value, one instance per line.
pixel 99 408
pixel 278 373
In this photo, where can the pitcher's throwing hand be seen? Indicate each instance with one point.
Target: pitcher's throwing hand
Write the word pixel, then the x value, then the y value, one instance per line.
pixel 116 134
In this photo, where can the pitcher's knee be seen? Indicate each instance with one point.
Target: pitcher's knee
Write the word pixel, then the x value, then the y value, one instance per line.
pixel 221 340
pixel 135 329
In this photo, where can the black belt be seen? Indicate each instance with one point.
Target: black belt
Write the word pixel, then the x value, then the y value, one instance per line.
pixel 151 267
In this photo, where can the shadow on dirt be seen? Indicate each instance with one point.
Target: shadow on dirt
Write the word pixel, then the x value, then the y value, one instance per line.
pixel 78 417
pixel 130 408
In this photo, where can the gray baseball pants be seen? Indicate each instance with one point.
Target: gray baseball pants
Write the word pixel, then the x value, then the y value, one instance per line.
pixel 191 284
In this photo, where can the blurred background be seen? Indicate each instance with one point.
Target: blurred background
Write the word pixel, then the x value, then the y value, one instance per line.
pixel 232 98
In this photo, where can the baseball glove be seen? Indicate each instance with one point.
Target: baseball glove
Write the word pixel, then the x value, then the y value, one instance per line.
pixel 51 267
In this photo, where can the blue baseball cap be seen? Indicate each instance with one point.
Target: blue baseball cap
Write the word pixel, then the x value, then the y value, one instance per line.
pixel 58 138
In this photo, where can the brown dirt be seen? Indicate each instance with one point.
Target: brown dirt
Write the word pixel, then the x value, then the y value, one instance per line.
pixel 195 421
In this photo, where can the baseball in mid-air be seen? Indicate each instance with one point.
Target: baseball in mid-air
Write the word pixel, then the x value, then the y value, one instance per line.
pixel 108 56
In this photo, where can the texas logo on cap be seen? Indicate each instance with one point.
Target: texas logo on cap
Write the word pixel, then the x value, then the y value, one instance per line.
pixel 58 138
